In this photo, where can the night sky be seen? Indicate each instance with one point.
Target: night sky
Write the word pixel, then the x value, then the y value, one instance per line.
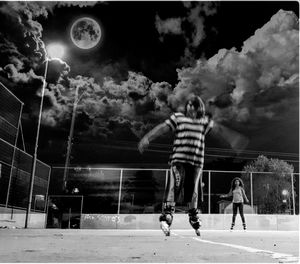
pixel 150 57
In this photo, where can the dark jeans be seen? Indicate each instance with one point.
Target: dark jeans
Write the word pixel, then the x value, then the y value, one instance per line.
pixel 235 207
pixel 184 185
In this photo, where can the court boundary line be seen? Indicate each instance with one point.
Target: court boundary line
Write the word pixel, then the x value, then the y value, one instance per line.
pixel 187 229
pixel 281 257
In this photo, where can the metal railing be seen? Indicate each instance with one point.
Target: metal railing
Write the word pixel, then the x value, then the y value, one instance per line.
pixel 134 190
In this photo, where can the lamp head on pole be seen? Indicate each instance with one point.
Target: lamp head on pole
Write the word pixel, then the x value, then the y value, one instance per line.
pixel 55 51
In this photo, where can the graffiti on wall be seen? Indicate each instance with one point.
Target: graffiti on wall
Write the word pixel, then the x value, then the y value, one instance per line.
pixel 102 218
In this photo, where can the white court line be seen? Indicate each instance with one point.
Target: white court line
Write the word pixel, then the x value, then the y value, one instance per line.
pixel 237 231
pixel 191 230
pixel 282 257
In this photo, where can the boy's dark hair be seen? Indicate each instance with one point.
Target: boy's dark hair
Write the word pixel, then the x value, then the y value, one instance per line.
pixel 198 104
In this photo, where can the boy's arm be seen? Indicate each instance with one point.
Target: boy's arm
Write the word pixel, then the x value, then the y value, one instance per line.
pixel 154 133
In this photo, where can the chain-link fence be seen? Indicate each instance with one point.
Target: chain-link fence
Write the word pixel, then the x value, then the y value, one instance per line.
pixel 15 163
pixel 125 191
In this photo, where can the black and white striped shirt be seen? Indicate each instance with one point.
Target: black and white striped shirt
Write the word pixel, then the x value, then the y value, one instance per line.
pixel 188 145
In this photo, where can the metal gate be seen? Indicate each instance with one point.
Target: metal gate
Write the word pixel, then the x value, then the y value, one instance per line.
pixel 64 211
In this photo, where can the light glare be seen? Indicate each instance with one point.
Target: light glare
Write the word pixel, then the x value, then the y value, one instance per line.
pixel 55 51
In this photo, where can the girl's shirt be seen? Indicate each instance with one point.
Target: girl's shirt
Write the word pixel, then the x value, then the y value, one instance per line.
pixel 238 194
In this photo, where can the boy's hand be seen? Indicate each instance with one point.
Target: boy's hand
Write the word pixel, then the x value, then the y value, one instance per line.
pixel 222 196
pixel 143 144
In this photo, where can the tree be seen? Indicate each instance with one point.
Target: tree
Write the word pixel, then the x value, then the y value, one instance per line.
pixel 272 187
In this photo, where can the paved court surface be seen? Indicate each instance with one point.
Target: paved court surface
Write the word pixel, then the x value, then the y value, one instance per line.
pixel 183 246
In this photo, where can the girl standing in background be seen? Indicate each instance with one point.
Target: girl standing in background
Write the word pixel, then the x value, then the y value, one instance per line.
pixel 238 194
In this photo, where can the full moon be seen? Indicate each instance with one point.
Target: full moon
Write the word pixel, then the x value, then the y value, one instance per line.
pixel 85 33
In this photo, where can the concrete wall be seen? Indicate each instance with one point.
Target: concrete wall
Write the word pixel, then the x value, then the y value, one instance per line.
pixel 15 218
pixel 209 222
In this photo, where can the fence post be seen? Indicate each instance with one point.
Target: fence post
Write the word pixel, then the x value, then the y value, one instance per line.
pixel 47 192
pixel 209 191
pixel 120 191
pixel 251 189
pixel 293 193
pixel 47 208
pixel 81 208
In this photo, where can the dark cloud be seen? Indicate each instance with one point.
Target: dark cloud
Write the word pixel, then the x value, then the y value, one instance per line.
pixel 116 70
pixel 250 86
pixel 20 26
pixel 135 104
pixel 79 3
pixel 56 70
pixel 23 53
pixel 191 27
pixel 168 26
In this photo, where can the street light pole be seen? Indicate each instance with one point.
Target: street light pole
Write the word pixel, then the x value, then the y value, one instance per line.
pixel 54 51
pixel 69 147
pixel 34 159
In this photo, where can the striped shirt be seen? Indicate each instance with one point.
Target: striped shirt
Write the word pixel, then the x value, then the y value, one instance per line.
pixel 188 145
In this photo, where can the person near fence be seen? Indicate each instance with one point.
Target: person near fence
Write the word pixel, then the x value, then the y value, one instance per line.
pixel 237 192
pixel 186 161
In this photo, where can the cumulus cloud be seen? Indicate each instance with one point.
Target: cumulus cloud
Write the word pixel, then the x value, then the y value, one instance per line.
pixel 22 51
pixel 254 84
pixel 258 83
pixel 19 17
pixel 135 104
pixel 20 77
pixel 20 38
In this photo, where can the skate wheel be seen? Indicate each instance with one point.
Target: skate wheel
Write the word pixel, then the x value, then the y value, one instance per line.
pixel 197 232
